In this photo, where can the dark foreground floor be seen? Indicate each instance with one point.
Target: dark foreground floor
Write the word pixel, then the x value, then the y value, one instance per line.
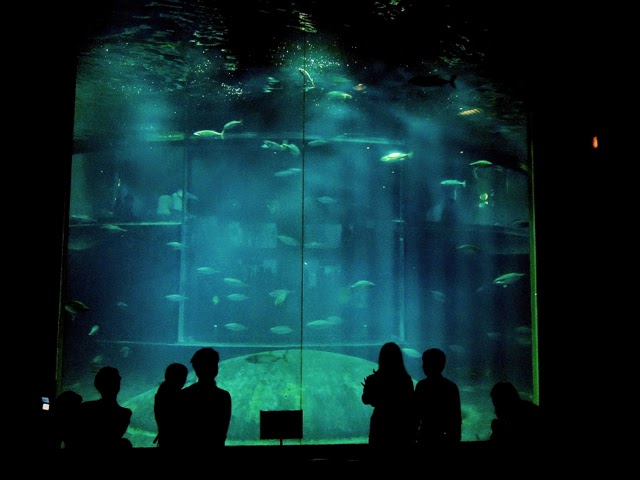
pixel 468 458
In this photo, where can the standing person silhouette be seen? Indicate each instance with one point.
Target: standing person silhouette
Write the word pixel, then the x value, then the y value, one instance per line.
pixel 206 407
pixel 439 413
pixel 389 390
pixel 166 405
pixel 102 423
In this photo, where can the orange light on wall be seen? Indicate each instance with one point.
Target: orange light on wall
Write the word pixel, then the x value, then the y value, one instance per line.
pixel 594 142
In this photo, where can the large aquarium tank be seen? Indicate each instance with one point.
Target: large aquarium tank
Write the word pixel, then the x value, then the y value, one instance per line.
pixel 295 184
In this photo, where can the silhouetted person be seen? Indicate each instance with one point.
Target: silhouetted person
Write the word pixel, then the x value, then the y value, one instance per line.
pixel 102 423
pixel 438 407
pixel 166 405
pixel 519 422
pixel 207 407
pixel 389 390
pixel 65 409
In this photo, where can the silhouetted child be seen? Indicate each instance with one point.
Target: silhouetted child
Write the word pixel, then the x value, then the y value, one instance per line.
pixel 206 407
pixel 102 423
pixel 519 422
pixel 389 390
pixel 65 410
pixel 166 405
pixel 439 413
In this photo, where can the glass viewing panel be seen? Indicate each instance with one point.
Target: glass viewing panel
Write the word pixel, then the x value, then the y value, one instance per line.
pixel 294 198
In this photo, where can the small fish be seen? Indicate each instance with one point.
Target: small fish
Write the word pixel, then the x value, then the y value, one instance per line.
pixel 124 351
pixel 237 297
pixel 470 111
pixel 396 157
pixel 334 319
pixel 337 95
pixel 520 223
pixel 288 172
pixel 432 81
pixel 231 124
pixel 319 324
pixel 234 282
pixel 96 364
pixel 293 149
pixel 523 330
pixel 208 133
pixel 468 248
pixel 292 242
pixel 175 297
pixel 281 330
pixel 94 330
pixel 362 283
pixel 75 307
pixel 438 296
pixel 121 305
pixel 206 270
pixel 481 163
pixel 177 245
pixel 280 295
pixel 308 80
pixel 326 200
pixel 454 182
pixel 457 348
pixel 271 145
pixel 508 279
pixel 113 228
pixel 317 143
pixel 235 327
pixel 412 352
pixel 215 300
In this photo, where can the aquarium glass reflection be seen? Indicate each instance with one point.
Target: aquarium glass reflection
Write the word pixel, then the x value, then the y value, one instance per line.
pixel 291 195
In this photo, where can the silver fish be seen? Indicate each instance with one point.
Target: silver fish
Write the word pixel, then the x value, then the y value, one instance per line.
pixel 235 327
pixel 208 133
pixel 362 283
pixel 292 242
pixel 320 324
pixel 454 183
pixel 508 278
pixel 175 297
pixel 281 330
pixel 396 157
pixel 237 297
pixel 270 145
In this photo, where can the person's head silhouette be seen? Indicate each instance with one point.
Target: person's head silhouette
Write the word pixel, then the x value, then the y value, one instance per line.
pixel 505 398
pixel 205 363
pixel 390 358
pixel 176 374
pixel 107 382
pixel 433 361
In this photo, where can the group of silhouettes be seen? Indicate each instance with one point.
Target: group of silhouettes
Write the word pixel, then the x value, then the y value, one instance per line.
pixel 198 416
pixel 430 414
pixel 192 417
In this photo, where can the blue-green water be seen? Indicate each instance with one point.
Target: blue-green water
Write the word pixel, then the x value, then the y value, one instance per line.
pixel 295 194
